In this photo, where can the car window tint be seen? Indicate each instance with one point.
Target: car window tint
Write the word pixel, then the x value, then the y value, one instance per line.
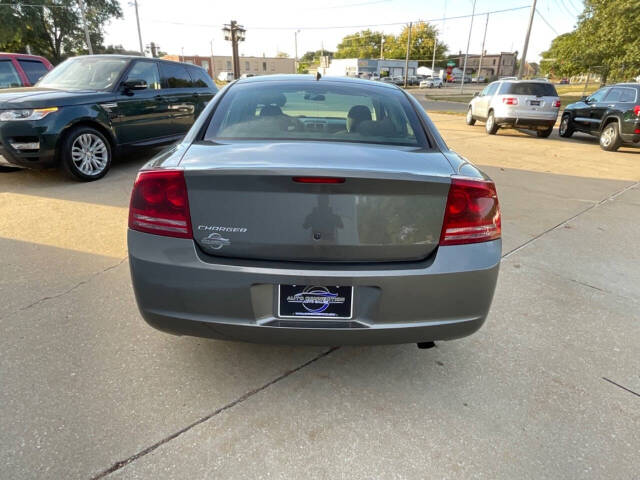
pixel 33 69
pixel 613 95
pixel 491 89
pixel 599 95
pixel 201 79
pixel 175 76
pixel 8 75
pixel 538 89
pixel 320 112
pixel 147 71
pixel 628 95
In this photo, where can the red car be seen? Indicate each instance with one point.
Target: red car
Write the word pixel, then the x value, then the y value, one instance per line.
pixel 19 70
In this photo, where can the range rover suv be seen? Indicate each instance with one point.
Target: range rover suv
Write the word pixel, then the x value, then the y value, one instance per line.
pixel 528 104
pixel 90 108
pixel 612 113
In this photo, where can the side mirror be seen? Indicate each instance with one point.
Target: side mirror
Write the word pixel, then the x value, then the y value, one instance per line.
pixel 476 94
pixel 585 99
pixel 135 85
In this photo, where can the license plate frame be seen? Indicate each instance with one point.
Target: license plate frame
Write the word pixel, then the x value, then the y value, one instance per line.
pixel 534 103
pixel 324 302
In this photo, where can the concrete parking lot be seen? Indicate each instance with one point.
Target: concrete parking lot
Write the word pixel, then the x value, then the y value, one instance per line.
pixel 548 388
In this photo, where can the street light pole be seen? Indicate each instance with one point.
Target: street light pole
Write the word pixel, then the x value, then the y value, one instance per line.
pixel 211 44
pixel 135 4
pixel 406 58
pixel 526 40
pixel 466 55
pixel 86 27
pixel 433 60
pixel 295 35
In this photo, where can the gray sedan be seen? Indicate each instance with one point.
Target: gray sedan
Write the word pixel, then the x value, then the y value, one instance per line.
pixel 312 211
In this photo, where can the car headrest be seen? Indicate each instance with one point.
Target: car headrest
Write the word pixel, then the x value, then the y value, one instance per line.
pixel 357 114
pixel 270 111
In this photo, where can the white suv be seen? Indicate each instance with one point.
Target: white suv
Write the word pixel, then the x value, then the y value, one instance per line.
pixel 529 104
pixel 431 82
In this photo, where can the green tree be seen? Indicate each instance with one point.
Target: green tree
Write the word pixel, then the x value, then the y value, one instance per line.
pixel 282 55
pixel 314 57
pixel 606 37
pixel 423 36
pixel 364 44
pixel 54 30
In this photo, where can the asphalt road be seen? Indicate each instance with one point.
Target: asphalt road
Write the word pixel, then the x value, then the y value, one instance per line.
pixel 438 105
pixel 548 388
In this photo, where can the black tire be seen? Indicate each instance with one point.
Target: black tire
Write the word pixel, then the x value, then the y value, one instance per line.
pixel 469 118
pixel 490 126
pixel 610 140
pixel 544 133
pixel 5 169
pixel 566 128
pixel 73 154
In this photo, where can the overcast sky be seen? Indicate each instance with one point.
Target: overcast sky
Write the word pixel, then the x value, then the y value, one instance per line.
pixel 192 24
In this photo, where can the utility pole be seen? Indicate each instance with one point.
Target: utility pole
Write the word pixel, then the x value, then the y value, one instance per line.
pixel 406 58
pixel 466 55
pixel 153 48
pixel 486 26
pixel 433 60
pixel 86 27
pixel 382 47
pixel 211 45
pixel 182 56
pixel 135 4
pixel 234 33
pixel 526 40
pixel 295 36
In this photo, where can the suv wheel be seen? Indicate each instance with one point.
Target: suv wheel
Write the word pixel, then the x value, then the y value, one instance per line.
pixel 544 133
pixel 470 119
pixel 85 154
pixel 566 127
pixel 610 137
pixel 491 126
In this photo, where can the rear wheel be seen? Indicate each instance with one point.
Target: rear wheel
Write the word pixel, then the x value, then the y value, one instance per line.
pixel 566 127
pixel 544 133
pixel 470 119
pixel 491 126
pixel 610 137
pixel 85 154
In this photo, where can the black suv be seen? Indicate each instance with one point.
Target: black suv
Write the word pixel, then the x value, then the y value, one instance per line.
pixel 90 108
pixel 612 113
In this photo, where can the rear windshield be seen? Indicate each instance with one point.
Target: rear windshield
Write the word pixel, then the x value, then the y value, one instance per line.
pixel 539 89
pixel 321 111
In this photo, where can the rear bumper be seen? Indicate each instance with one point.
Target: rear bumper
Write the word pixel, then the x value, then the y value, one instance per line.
pixel 182 291
pixel 533 123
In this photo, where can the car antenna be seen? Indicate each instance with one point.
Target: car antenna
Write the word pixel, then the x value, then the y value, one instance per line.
pixel 318 76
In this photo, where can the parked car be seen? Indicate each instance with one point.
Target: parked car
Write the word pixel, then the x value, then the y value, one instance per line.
pixel 387 80
pixel 378 233
pixel 564 81
pixel 225 77
pixel 88 109
pixel 612 113
pixel 19 70
pixel 516 103
pixel 431 82
pixel 247 75
pixel 478 79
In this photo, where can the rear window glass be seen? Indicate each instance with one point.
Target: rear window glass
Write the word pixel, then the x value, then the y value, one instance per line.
pixel 539 89
pixel 8 75
pixel 33 69
pixel 201 79
pixel 321 111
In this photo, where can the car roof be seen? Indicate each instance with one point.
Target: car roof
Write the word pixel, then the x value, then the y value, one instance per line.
pixel 295 78
pixel 21 55
pixel 626 84
pixel 137 57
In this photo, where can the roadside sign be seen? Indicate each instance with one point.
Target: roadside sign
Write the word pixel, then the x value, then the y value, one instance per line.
pixel 451 63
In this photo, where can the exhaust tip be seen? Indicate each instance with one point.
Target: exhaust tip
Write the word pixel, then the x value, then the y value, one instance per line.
pixel 425 345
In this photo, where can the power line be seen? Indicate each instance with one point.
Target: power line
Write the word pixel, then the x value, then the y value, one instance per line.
pixel 336 27
pixel 16 5
pixel 545 21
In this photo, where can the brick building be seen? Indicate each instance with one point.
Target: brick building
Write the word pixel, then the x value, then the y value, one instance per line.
pixel 254 65
pixel 501 64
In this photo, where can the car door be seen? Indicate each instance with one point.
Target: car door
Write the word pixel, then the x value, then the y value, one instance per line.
pixel 33 69
pixel 484 100
pixel 141 115
pixel 585 116
pixel 610 102
pixel 178 92
pixel 9 77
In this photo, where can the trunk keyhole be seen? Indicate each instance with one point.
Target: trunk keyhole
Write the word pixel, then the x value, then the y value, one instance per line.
pixel 317 236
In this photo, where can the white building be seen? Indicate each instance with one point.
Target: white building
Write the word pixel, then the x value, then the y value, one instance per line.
pixel 363 67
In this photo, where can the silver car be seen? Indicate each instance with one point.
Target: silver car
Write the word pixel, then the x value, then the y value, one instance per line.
pixel 312 211
pixel 516 103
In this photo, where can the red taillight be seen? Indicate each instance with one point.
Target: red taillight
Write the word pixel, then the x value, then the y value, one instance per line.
pixel 159 204
pixel 556 104
pixel 472 213
pixel 318 180
pixel 636 110
pixel 510 101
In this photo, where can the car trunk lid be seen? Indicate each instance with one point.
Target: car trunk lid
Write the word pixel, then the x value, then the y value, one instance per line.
pixel 383 204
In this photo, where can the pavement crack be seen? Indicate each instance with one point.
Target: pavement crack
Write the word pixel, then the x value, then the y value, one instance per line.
pixel 123 463
pixel 620 386
pixel 67 291
pixel 573 217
